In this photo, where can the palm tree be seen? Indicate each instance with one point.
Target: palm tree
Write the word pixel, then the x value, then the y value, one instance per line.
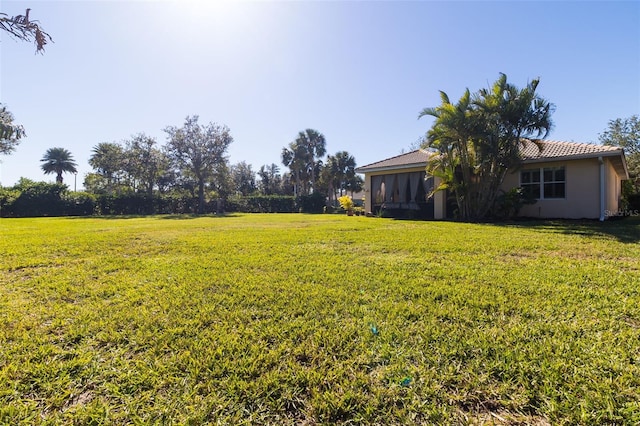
pixel 511 117
pixel 452 136
pixel 314 145
pixel 58 161
pixel 479 139
pixel 295 157
pixel 108 159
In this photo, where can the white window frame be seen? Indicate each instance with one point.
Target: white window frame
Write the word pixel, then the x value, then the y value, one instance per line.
pixel 542 182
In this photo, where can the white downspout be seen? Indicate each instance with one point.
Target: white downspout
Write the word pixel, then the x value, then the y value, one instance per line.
pixel 602 187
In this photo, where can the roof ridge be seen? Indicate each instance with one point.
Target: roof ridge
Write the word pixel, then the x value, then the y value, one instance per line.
pixel 395 156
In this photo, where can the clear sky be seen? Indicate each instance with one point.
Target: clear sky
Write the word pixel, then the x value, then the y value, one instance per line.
pixel 357 71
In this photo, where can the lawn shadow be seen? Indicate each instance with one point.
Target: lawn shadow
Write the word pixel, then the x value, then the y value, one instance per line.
pixel 185 216
pixel 625 230
pixel 196 216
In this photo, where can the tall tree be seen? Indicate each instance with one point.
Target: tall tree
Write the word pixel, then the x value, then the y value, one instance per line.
pixel 313 145
pixel 108 160
pixel 288 184
pixel 625 133
pixel 244 178
pixel 198 151
pixel 58 161
pixel 222 183
pixel 295 158
pixel 10 133
pixel 480 138
pixel 451 135
pixel 22 27
pixel 354 184
pixel 270 179
pixel 339 174
pixel 302 157
pixel 145 163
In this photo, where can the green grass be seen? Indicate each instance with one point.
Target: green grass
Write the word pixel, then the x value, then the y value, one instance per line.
pixel 298 319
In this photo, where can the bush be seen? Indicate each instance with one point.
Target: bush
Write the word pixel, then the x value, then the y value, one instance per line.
pixel 36 199
pixel 313 203
pixel 7 198
pixel 32 199
pixel 143 204
pixel 80 204
pixel 346 202
pixel 509 203
pixel 261 204
pixel 125 204
pixel 633 202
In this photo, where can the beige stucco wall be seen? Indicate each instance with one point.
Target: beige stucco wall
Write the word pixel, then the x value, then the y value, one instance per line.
pixel 439 201
pixel 367 192
pixel 582 190
pixel 614 189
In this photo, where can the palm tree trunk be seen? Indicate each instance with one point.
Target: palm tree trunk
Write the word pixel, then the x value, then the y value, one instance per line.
pixel 313 175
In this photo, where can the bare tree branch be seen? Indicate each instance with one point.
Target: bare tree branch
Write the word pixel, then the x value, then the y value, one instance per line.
pixel 22 28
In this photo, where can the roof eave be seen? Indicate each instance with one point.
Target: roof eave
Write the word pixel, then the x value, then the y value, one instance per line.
pixel 390 168
pixel 620 167
pixel 572 157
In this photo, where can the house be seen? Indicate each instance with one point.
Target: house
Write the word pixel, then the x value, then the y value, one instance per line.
pixel 568 180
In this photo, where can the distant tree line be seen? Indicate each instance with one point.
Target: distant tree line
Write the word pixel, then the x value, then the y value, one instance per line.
pixel 190 173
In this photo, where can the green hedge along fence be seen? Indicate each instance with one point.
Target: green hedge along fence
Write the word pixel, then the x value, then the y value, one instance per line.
pixel 47 199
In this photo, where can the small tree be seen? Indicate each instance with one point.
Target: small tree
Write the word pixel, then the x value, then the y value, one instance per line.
pixel 58 161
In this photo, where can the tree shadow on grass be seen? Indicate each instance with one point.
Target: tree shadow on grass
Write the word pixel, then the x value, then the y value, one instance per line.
pixel 196 216
pixel 185 216
pixel 625 230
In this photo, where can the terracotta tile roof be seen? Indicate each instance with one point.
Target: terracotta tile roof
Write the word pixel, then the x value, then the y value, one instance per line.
pixel 558 149
pixel 415 158
pixel 551 150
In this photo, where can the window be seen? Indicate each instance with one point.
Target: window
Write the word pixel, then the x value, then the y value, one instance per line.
pixel 530 183
pixel 552 184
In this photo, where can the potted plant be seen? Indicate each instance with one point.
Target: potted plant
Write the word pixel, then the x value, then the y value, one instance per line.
pixel 347 204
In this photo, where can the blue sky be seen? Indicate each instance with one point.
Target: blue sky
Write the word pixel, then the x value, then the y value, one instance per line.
pixel 358 71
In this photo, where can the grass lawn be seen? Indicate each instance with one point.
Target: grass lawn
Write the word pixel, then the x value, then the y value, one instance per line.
pixel 325 319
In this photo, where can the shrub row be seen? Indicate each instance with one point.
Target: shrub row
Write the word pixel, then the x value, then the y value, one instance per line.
pixel 261 204
pixel 46 199
pixel 43 199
